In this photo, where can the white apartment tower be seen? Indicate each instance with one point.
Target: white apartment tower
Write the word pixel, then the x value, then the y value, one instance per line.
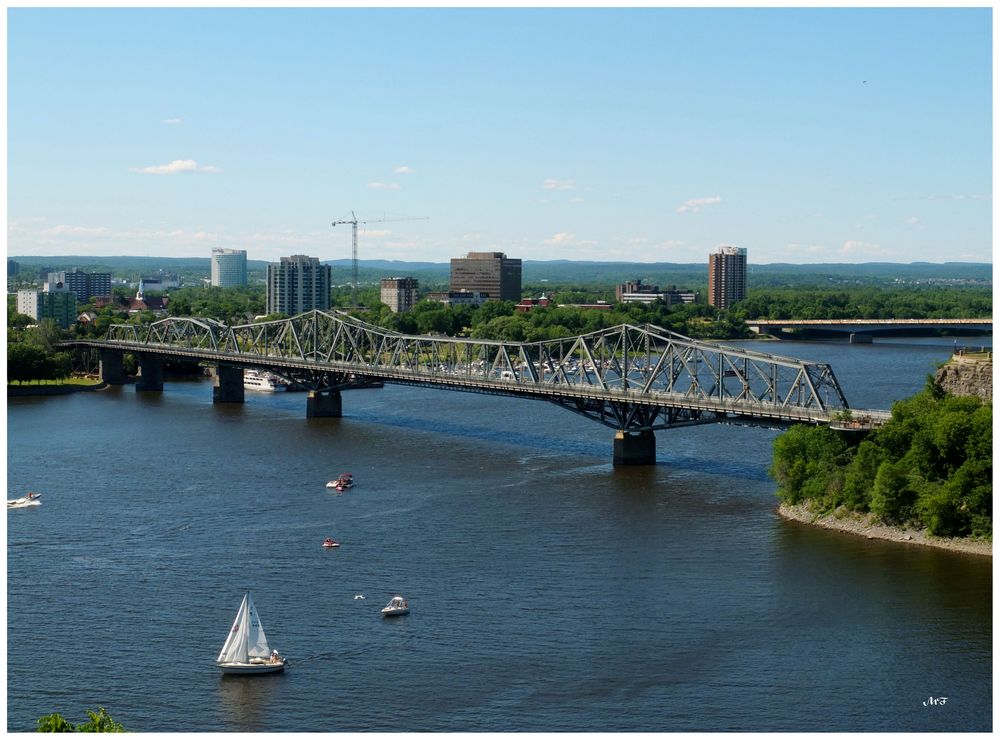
pixel 229 268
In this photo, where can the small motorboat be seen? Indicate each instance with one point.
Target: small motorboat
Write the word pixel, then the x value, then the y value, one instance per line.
pixel 396 607
pixel 330 542
pixel 343 482
pixel 31 499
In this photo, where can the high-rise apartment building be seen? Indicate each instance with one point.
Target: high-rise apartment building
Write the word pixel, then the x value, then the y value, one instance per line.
pixel 297 284
pixel 399 293
pixel 487 272
pixel 58 305
pixel 84 285
pixel 229 268
pixel 727 276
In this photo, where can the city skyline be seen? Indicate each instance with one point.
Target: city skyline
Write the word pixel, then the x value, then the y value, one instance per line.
pixel 805 135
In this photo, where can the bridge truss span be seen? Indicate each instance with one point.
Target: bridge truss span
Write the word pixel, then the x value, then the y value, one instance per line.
pixel 627 377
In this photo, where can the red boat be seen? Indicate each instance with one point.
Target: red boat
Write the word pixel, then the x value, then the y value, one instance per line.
pixel 330 542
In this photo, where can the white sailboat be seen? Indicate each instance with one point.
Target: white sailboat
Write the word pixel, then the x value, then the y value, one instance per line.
pixel 246 650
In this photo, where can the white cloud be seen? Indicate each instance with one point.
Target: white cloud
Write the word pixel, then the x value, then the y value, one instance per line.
pixel 403 170
pixel 550 184
pixel 564 239
pixel 382 186
pixel 376 233
pixel 560 239
pixel 66 230
pixel 576 199
pixel 913 220
pixel 859 248
pixel 172 121
pixel 695 204
pixel 177 167
pixel 635 240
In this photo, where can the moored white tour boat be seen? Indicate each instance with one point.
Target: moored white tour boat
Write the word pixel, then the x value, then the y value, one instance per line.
pixel 396 607
pixel 246 651
pixel 31 499
pixel 258 380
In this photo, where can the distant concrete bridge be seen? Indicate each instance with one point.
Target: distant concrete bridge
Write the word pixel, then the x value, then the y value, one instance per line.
pixel 634 379
pixel 861 331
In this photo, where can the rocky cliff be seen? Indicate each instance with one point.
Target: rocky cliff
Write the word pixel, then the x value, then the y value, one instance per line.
pixel 967 376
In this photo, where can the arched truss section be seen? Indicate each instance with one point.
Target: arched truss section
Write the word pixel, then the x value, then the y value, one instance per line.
pixel 625 376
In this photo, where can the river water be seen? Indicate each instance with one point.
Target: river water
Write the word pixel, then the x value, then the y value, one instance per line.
pixel 549 591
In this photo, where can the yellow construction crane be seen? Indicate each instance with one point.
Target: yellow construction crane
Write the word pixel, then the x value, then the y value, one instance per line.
pixel 354 246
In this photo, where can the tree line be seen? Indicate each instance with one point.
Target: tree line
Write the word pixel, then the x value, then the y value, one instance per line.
pixel 930 465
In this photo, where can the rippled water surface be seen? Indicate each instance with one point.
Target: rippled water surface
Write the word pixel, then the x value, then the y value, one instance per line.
pixel 549 591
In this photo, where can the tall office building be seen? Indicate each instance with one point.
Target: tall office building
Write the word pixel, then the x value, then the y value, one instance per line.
pixel 229 268
pixel 399 293
pixel 297 284
pixel 487 272
pixel 727 276
pixel 84 285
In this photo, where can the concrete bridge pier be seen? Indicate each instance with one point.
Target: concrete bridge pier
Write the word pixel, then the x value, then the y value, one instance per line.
pixel 228 386
pixel 323 403
pixel 150 373
pixel 861 338
pixel 635 448
pixel 113 367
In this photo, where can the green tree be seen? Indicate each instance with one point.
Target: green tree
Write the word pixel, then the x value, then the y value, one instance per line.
pixel 892 496
pixel 99 721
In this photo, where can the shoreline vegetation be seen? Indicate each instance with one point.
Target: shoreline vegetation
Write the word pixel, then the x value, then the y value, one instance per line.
pixel 56 387
pixel 866 525
pixel 925 477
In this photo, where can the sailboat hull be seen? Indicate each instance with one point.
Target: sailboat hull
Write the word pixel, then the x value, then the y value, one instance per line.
pixel 251 669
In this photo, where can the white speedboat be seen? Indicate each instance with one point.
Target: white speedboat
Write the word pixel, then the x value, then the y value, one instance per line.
pixel 258 380
pixel 246 651
pixel 31 499
pixel 396 607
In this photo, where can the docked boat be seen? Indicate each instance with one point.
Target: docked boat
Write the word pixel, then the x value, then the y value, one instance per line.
pixel 31 499
pixel 246 651
pixel 396 607
pixel 258 380
pixel 330 542
pixel 343 482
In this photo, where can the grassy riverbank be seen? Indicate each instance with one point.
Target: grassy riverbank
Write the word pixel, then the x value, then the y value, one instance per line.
pixel 866 525
pixel 54 387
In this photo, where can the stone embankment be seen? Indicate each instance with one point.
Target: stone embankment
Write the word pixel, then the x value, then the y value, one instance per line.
pixel 967 374
pixel 866 526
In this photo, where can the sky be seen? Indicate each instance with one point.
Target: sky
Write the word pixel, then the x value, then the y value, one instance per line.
pixel 804 135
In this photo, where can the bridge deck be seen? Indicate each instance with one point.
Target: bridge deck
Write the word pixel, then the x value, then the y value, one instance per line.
pixel 625 376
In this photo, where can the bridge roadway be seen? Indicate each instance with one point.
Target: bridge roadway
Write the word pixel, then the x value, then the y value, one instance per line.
pixel 862 330
pixel 632 379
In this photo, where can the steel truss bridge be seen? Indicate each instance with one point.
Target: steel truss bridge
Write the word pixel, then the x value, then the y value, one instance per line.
pixel 634 379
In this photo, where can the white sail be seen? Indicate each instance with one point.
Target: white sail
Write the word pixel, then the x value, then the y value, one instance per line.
pixel 256 646
pixel 235 648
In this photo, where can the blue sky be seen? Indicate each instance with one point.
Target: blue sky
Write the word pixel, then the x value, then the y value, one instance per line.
pixel 645 135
